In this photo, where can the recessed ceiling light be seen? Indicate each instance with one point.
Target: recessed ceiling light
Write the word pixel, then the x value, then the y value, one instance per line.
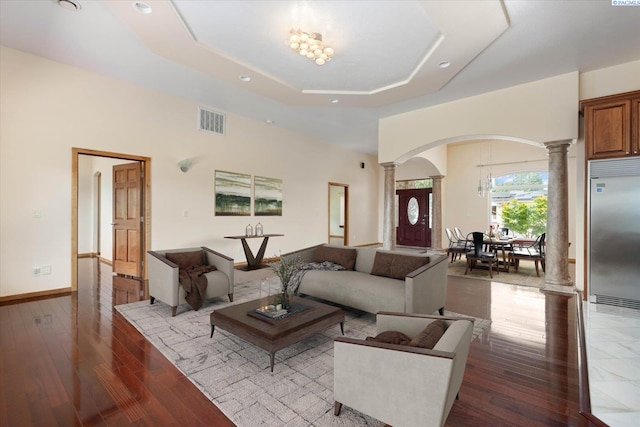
pixel 444 64
pixel 142 7
pixel 269 121
pixel 334 101
pixel 245 78
pixel 72 5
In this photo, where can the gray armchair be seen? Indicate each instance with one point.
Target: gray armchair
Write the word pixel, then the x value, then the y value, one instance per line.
pixel 164 279
pixel 398 384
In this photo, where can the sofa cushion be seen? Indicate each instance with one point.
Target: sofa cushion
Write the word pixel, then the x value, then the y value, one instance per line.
pixel 429 336
pixel 396 266
pixel 343 256
pixel 391 337
pixel 186 259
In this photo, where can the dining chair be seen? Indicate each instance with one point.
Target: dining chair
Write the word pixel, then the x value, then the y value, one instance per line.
pixel 478 254
pixel 456 247
pixel 532 252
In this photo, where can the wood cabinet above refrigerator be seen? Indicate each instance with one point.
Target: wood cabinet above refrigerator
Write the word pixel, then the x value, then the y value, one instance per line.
pixel 612 125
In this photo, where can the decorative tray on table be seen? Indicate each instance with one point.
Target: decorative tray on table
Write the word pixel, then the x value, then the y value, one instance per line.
pixel 272 313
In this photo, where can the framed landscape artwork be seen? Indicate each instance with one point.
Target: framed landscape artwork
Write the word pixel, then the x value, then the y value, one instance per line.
pixel 233 194
pixel 267 200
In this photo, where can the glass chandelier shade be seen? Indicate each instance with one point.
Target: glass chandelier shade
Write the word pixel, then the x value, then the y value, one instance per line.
pixel 310 46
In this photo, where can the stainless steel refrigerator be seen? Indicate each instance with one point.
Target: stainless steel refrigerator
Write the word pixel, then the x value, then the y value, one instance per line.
pixel 614 232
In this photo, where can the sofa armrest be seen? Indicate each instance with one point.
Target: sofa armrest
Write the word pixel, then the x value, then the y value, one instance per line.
pixel 163 278
pixel 305 255
pixel 396 347
pixel 223 263
pixel 426 287
pixel 411 324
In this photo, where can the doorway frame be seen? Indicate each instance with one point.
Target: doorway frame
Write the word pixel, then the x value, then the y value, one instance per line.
pixel 346 211
pixel 146 208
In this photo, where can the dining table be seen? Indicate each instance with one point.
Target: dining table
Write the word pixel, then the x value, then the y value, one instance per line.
pixel 503 245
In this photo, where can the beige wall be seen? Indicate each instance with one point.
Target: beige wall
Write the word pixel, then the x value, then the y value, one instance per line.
pixel 46 108
pixel 536 112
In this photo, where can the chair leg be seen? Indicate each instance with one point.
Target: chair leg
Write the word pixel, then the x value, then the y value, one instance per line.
pixel 537 272
pixel 231 297
pixel 466 270
pixel 490 268
pixel 152 299
pixel 337 406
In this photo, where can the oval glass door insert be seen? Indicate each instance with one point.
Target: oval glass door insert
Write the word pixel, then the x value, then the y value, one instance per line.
pixel 413 210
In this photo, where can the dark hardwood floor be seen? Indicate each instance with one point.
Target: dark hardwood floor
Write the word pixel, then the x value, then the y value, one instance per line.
pixel 73 360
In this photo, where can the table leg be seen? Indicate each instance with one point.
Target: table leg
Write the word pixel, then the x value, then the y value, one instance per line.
pixel 342 327
pixel 253 262
pixel 213 328
pixel 263 247
pixel 247 253
pixel 272 356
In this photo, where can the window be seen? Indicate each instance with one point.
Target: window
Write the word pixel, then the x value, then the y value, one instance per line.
pixel 519 203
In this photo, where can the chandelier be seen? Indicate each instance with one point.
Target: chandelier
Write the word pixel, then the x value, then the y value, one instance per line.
pixel 310 46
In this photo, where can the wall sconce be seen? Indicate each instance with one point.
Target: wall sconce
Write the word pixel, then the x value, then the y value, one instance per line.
pixel 184 165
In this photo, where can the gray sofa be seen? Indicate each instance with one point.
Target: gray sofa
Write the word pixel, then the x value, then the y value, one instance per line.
pixel 421 290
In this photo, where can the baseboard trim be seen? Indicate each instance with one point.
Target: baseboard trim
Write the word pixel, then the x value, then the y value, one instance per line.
pixel 33 295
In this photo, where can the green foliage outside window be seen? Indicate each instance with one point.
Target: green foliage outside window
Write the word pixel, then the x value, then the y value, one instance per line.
pixel 526 219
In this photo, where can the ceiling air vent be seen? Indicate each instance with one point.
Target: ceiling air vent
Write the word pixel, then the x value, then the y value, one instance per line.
pixel 211 121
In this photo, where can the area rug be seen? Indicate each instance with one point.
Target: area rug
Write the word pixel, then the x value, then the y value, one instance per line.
pixel 525 276
pixel 235 375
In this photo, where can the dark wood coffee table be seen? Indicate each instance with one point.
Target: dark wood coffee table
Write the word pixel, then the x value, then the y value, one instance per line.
pixel 276 335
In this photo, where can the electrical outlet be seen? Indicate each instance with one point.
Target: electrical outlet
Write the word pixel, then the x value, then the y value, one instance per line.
pixel 36 271
pixel 46 269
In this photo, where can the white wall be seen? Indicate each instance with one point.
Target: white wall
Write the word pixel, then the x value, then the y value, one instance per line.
pixel 46 108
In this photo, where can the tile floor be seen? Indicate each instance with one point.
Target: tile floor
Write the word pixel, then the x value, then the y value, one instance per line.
pixel 613 356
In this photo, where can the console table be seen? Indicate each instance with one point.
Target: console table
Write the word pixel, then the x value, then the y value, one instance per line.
pixel 254 262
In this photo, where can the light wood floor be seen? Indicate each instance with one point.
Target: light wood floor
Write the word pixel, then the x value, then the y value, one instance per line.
pixel 73 360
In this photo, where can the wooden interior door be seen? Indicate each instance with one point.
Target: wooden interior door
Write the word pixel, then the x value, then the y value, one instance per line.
pixel 127 219
pixel 413 218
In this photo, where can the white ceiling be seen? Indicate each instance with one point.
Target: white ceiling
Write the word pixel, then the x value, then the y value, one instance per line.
pixel 386 60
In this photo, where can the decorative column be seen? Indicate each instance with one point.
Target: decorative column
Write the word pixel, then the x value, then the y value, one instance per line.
pixel 557 239
pixel 389 221
pixel 436 211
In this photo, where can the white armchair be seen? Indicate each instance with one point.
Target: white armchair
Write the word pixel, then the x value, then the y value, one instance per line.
pixel 164 279
pixel 398 384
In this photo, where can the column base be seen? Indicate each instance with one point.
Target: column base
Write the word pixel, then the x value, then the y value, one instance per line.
pixel 564 287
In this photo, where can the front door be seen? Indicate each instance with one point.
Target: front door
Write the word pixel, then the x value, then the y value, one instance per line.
pixel 413 217
pixel 127 219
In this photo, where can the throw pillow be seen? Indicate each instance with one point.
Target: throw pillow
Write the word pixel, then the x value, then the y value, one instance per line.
pixel 405 264
pixel 186 259
pixel 343 256
pixel 396 266
pixel 391 337
pixel 429 336
pixel 382 264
